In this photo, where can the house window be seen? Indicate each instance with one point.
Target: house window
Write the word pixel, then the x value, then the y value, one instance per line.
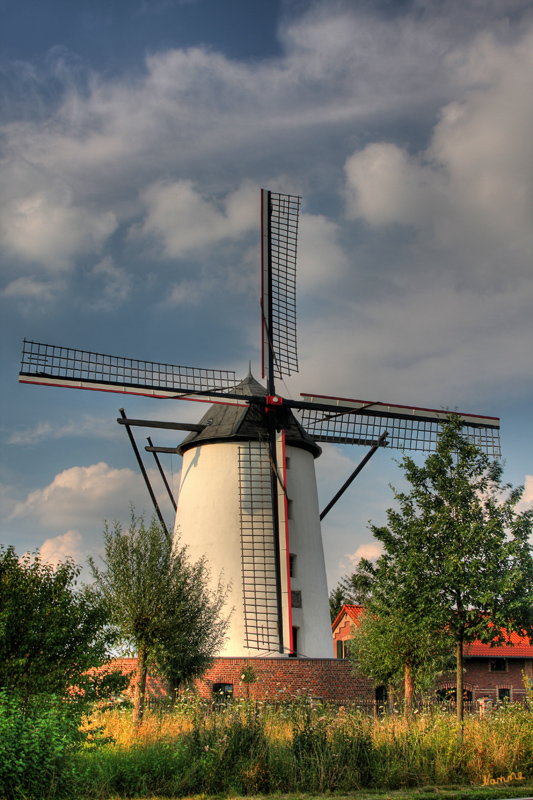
pixel 222 692
pixel 498 665
pixel 504 694
pixel 381 695
pixel 343 648
pixel 292 565
pixel 450 695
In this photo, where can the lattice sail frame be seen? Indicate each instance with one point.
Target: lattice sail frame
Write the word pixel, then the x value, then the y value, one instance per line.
pixel 258 560
pixel 418 429
pixel 279 235
pixel 65 366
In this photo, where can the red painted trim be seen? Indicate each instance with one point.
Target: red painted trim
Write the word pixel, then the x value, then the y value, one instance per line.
pixel 395 405
pixel 134 394
pixel 262 294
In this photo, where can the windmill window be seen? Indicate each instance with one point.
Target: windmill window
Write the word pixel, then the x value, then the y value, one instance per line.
pixel 287 463
pixel 296 598
pixel 294 651
pixel 292 565
pixel 289 509
pixel 498 665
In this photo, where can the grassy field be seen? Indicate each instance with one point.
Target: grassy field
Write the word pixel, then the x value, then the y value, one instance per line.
pixel 290 750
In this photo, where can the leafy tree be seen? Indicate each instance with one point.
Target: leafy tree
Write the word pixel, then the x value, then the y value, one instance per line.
pixel 337 599
pixel 51 631
pixel 393 648
pixel 457 552
pixel 161 603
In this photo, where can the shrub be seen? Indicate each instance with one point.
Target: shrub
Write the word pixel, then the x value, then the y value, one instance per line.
pixel 38 739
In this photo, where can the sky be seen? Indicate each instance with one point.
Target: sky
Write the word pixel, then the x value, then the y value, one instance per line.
pixel 135 137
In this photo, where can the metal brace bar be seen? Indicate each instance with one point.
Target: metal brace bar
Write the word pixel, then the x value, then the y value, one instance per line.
pixel 145 474
pixel 380 443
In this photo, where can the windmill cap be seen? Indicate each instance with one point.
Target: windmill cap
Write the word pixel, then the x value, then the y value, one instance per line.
pixel 231 423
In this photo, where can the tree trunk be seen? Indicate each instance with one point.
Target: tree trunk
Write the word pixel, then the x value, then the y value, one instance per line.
pixel 140 687
pixel 459 680
pixel 390 698
pixel 409 690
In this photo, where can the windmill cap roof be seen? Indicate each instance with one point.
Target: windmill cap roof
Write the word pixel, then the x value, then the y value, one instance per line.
pixel 225 423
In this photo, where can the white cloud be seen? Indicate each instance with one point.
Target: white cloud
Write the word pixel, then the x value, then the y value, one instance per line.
pixel 87 425
pixel 59 548
pixel 526 503
pixel 183 221
pixel 320 255
pixel 32 290
pixel 81 495
pixel 53 230
pixel 471 191
pixel 369 550
pixel 117 284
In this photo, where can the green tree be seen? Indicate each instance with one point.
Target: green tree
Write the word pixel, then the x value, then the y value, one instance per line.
pixel 393 648
pixel 161 604
pixel 457 552
pixel 337 598
pixel 52 632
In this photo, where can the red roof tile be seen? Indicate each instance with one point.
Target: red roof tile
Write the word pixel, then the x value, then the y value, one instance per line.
pixel 353 611
pixel 516 646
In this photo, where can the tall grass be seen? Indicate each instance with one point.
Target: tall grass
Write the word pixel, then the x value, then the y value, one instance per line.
pixel 251 747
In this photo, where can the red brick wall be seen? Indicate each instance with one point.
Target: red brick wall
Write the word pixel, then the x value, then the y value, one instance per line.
pixel 332 680
pixel 322 678
pixel 483 683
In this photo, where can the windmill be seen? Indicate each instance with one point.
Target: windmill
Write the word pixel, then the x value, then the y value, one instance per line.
pixel 248 498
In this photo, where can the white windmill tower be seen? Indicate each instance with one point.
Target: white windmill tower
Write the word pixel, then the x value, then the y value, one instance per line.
pixel 248 498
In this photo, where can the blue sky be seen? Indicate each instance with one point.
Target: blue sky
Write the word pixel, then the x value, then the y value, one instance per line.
pixel 135 138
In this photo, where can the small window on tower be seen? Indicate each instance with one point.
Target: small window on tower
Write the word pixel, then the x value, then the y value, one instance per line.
pixel 294 651
pixel 292 565
pixel 289 509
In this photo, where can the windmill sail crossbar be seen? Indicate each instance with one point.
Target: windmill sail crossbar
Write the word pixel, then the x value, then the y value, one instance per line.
pixel 417 430
pixel 280 237
pixel 65 366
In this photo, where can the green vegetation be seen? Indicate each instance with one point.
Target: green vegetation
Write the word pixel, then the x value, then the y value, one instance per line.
pixel 51 630
pixel 457 563
pixel 250 748
pixel 160 602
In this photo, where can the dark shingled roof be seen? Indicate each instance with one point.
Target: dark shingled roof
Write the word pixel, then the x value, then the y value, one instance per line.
pixel 247 423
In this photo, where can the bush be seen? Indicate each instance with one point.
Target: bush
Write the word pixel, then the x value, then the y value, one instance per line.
pixel 38 740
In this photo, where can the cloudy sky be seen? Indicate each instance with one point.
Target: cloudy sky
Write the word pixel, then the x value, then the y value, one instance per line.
pixel 135 136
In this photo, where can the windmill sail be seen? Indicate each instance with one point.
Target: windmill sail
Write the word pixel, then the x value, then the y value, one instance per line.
pixel 343 421
pixel 258 549
pixel 279 235
pixel 64 366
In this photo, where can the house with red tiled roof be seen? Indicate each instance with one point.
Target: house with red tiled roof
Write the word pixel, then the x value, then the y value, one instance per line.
pixel 491 673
